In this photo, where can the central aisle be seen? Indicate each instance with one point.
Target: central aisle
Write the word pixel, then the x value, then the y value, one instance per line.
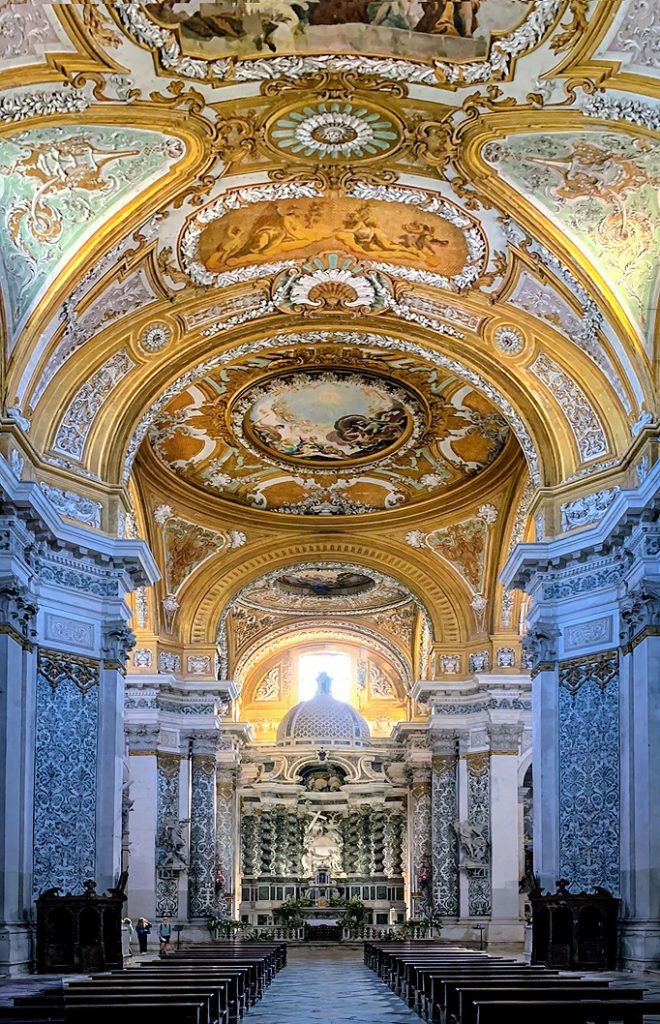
pixel 332 985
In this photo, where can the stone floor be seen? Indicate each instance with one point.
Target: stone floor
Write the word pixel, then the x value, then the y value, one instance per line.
pixel 329 985
pixel 325 984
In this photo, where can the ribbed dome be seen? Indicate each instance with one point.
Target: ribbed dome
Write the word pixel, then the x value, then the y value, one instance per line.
pixel 325 719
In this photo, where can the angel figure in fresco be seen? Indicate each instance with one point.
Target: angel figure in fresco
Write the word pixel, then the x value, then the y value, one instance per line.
pixel 362 232
pixel 279 229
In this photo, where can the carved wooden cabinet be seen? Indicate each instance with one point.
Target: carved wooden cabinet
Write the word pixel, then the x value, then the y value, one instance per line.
pixel 574 932
pixel 79 933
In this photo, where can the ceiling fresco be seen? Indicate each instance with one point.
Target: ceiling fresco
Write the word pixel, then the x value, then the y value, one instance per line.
pixel 332 302
pixel 326 418
pixel 243 229
pixel 407 27
pixel 58 186
pixel 462 40
pixel 350 440
pixel 330 588
pixel 602 189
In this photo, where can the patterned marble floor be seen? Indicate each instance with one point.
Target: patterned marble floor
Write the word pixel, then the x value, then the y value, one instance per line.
pixel 329 985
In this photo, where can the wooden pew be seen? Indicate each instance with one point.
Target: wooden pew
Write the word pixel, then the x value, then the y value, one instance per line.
pixel 464 1010
pixel 216 995
pixel 438 986
pixel 112 997
pixel 622 1011
pixel 171 1012
pixel 237 981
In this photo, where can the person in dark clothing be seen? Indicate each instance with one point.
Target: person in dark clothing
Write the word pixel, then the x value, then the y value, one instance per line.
pixel 143 928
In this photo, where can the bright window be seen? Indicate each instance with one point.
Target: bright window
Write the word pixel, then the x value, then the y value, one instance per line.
pixel 338 667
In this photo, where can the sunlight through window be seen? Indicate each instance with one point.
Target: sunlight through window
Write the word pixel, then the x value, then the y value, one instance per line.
pixel 338 667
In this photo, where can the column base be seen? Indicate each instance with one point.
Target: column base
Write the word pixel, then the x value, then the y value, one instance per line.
pixel 639 945
pixel 17 949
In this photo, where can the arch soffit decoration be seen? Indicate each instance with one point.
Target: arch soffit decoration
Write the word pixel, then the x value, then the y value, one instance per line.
pixel 208 596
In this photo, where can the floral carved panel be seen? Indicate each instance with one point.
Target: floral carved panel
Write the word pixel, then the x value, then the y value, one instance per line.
pixel 589 803
pixel 65 771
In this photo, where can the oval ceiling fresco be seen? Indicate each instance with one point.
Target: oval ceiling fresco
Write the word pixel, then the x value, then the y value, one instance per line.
pixel 328 587
pixel 380 431
pixel 327 418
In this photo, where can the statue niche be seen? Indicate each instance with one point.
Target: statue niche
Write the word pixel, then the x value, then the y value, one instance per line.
pixel 323 846
pixel 172 846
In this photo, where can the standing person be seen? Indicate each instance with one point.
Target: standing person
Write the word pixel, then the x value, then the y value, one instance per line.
pixel 164 935
pixel 143 928
pixel 126 936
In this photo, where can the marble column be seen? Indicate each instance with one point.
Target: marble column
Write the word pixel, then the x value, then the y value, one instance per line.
pixel 640 755
pixel 17 715
pixel 419 831
pixel 478 786
pixel 505 833
pixel 227 836
pixel 202 871
pixel 444 804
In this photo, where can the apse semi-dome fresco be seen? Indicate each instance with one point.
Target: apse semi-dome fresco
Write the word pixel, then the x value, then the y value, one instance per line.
pixel 321 441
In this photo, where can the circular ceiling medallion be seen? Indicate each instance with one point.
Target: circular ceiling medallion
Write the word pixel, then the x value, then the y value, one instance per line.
pixel 323 418
pixel 509 340
pixel 325 582
pixel 335 131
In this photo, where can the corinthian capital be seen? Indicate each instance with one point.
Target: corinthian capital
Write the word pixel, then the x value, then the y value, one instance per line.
pixel 540 644
pixel 118 641
pixel 640 610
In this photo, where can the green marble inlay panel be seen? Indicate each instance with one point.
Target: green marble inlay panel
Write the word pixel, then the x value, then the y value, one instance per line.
pixel 57 186
pixel 601 189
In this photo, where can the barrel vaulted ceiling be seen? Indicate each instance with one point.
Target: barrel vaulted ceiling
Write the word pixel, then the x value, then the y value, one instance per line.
pixel 347 290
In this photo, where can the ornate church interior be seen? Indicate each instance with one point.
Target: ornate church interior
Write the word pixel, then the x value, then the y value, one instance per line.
pixel 330 587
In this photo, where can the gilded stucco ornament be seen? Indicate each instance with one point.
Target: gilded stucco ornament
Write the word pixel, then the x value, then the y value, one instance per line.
pixel 289 28
pixel 587 330
pixel 42 103
pixel 509 340
pixel 335 130
pixel 155 337
pixel 584 421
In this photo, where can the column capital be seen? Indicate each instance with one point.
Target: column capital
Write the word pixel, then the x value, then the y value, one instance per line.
pixel 540 645
pixel 505 737
pixel 142 739
pixel 118 642
pixel 18 609
pixel 640 612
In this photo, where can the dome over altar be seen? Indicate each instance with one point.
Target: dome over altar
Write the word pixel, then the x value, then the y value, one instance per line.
pixel 323 718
